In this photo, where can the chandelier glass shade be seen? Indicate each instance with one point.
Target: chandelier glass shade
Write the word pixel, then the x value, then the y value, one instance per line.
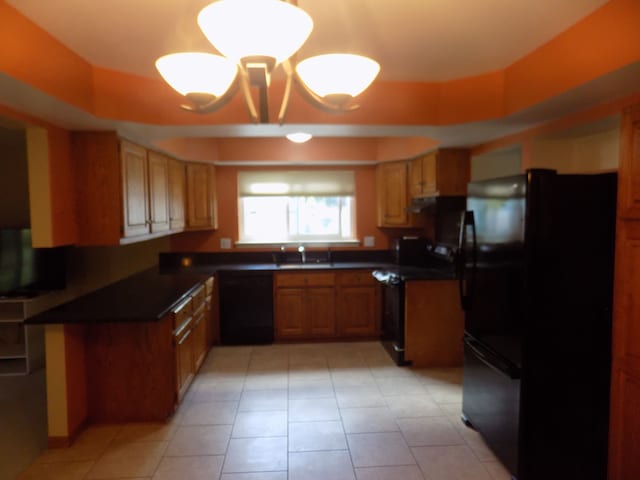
pixel 255 28
pixel 193 72
pixel 254 37
pixel 338 73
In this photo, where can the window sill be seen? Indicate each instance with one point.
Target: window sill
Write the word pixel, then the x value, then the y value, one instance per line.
pixel 310 243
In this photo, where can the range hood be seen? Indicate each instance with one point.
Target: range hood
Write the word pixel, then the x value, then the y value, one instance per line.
pixel 437 204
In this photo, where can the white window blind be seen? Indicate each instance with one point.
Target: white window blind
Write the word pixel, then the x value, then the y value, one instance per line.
pixel 296 206
pixel 328 183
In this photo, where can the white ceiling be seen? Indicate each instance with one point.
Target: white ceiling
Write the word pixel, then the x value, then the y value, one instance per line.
pixel 428 40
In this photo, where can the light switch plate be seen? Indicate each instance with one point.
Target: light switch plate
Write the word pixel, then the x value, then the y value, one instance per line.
pixel 369 241
pixel 225 243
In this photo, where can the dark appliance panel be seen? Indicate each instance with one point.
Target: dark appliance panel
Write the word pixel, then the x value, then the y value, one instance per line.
pixel 410 251
pixel 493 385
pixel 246 307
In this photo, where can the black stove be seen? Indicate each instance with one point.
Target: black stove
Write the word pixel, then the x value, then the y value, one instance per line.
pixel 435 262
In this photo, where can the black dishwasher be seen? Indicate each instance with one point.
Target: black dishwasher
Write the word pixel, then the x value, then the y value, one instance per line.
pixel 246 307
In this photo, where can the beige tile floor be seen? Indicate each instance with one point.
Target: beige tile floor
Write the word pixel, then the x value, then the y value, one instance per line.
pixel 292 412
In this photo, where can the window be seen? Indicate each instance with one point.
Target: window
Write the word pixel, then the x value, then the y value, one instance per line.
pixel 295 206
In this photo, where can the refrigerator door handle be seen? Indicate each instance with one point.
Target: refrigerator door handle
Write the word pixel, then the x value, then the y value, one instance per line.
pixel 492 361
pixel 466 296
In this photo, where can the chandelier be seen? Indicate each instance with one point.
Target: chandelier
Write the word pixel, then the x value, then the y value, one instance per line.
pixel 255 37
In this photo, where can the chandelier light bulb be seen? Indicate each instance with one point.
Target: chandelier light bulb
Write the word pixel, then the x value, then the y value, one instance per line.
pixel 255 28
pixel 192 72
pixel 338 74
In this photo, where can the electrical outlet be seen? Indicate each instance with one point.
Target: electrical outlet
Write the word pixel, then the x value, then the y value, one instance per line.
pixel 369 241
pixel 225 243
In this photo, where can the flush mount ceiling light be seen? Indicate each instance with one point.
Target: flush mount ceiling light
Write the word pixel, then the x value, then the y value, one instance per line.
pixel 255 37
pixel 298 137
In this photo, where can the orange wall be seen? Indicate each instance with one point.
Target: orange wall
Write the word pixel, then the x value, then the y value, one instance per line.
pixel 603 42
pixel 227 194
pixel 32 55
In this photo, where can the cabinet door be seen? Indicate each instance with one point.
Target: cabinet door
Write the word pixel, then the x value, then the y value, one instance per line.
pixel 199 337
pixel 177 200
pixel 453 171
pixel 135 213
pixel 429 174
pixel 290 312
pixel 629 172
pixel 321 311
pixel 184 362
pixel 415 177
pixel 199 205
pixel 392 194
pixel 158 192
pixel 358 311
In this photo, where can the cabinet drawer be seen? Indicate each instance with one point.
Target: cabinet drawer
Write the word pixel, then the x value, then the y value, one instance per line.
pixel 198 296
pixel 208 286
pixel 305 279
pixel 356 277
pixel 199 310
pixel 182 313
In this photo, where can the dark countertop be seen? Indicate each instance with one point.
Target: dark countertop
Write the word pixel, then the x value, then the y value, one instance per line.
pixel 406 273
pixel 143 297
pixel 149 295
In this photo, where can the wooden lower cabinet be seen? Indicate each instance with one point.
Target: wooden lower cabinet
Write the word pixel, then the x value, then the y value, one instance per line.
pixel 130 371
pixel 140 371
pixel 358 300
pixel 304 305
pixel 212 313
pixel 185 368
pixel 200 345
pixel 321 311
pixel 316 305
pixel 434 323
pixel 290 313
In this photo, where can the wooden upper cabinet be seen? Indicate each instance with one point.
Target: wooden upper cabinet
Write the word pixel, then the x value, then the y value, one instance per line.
pixel 135 206
pixel 158 166
pixel 629 171
pixel 177 195
pixel 393 197
pixel 442 172
pixel 122 190
pixel 201 197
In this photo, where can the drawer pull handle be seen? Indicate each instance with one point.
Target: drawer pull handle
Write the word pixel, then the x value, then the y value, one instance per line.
pixel 184 338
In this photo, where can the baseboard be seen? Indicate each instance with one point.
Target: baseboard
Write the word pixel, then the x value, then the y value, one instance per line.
pixel 65 442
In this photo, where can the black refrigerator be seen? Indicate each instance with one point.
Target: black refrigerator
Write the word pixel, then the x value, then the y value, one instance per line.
pixel 536 283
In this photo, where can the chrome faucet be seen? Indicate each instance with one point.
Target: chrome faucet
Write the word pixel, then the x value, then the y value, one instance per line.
pixel 303 257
